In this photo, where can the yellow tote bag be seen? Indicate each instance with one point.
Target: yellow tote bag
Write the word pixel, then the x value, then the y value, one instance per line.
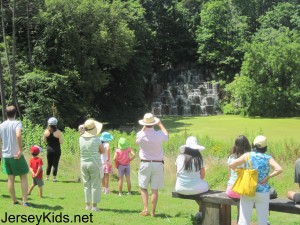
pixel 246 182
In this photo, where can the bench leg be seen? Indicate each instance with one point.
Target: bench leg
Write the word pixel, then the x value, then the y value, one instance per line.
pixel 215 214
pixel 225 215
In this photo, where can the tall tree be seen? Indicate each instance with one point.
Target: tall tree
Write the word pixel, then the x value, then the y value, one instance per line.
pixel 173 43
pixel 2 92
pixel 272 63
pixel 221 36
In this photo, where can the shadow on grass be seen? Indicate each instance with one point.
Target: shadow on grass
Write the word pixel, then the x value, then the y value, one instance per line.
pixel 161 215
pixel 47 207
pixel 173 124
pixel 125 193
pixel 39 206
pixel 70 181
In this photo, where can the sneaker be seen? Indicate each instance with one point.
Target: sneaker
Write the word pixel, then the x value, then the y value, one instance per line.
pixel 120 194
pixel 129 193
pixel 16 203
pixel 54 180
pixel 47 178
pixel 95 209
pixel 107 191
pixel 88 207
pixel 26 204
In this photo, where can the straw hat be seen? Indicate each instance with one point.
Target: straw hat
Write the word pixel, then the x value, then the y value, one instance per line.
pixel 149 120
pixel 92 128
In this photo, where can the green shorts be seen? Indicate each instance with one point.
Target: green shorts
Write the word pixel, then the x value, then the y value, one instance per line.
pixel 16 167
pixel 38 181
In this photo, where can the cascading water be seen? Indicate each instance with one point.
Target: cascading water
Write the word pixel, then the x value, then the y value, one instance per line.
pixel 187 96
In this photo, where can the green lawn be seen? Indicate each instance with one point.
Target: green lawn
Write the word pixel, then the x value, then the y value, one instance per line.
pixel 64 199
pixel 224 127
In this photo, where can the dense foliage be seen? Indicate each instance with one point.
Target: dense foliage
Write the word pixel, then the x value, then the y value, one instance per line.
pixel 96 58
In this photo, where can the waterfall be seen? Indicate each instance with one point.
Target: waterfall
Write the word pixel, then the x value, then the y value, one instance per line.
pixel 189 95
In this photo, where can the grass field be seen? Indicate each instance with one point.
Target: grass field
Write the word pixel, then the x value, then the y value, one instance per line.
pixel 227 127
pixel 64 200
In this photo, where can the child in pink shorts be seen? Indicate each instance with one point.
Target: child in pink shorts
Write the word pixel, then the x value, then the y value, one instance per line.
pixel 105 158
pixel 122 160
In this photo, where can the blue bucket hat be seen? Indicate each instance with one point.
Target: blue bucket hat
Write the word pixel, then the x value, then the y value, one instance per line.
pixel 105 137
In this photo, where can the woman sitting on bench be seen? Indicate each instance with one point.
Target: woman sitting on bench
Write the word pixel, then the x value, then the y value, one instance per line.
pixel 190 169
pixel 291 194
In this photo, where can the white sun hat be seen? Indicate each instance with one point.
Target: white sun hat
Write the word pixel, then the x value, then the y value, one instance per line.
pixel 191 142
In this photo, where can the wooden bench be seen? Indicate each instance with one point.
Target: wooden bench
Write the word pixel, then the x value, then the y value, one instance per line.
pixel 216 206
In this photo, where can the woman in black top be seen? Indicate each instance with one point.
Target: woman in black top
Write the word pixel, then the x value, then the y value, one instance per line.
pixel 54 139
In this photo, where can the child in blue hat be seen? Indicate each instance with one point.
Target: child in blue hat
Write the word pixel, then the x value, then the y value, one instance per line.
pixel 105 158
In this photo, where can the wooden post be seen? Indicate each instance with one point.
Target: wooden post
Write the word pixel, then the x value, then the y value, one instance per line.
pixel 54 110
pixel 216 214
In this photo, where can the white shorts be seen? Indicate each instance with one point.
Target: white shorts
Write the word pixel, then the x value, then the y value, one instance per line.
pixel 151 173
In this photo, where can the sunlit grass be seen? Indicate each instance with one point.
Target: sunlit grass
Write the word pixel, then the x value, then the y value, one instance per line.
pixel 216 133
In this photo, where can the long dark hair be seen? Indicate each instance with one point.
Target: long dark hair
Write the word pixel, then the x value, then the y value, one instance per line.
pixel 192 157
pixel 52 128
pixel 261 150
pixel 241 145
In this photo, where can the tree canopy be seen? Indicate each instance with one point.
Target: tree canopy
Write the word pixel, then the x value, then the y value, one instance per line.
pixel 97 58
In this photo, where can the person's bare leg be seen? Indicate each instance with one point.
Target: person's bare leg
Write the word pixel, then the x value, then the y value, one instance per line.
pixel 11 187
pixel 24 187
pixel 290 195
pixel 154 199
pixel 30 189
pixel 107 180
pixel 128 181
pixel 144 195
pixel 120 185
pixel 41 192
pixel 103 182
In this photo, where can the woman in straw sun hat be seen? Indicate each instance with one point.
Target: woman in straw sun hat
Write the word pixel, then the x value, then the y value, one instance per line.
pixel 90 163
pixel 151 171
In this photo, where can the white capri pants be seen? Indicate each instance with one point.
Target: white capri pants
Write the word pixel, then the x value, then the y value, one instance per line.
pixel 261 200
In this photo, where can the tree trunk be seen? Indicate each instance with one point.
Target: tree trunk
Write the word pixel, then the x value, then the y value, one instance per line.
pixel 13 66
pixel 2 93
pixel 28 35
pixel 4 37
